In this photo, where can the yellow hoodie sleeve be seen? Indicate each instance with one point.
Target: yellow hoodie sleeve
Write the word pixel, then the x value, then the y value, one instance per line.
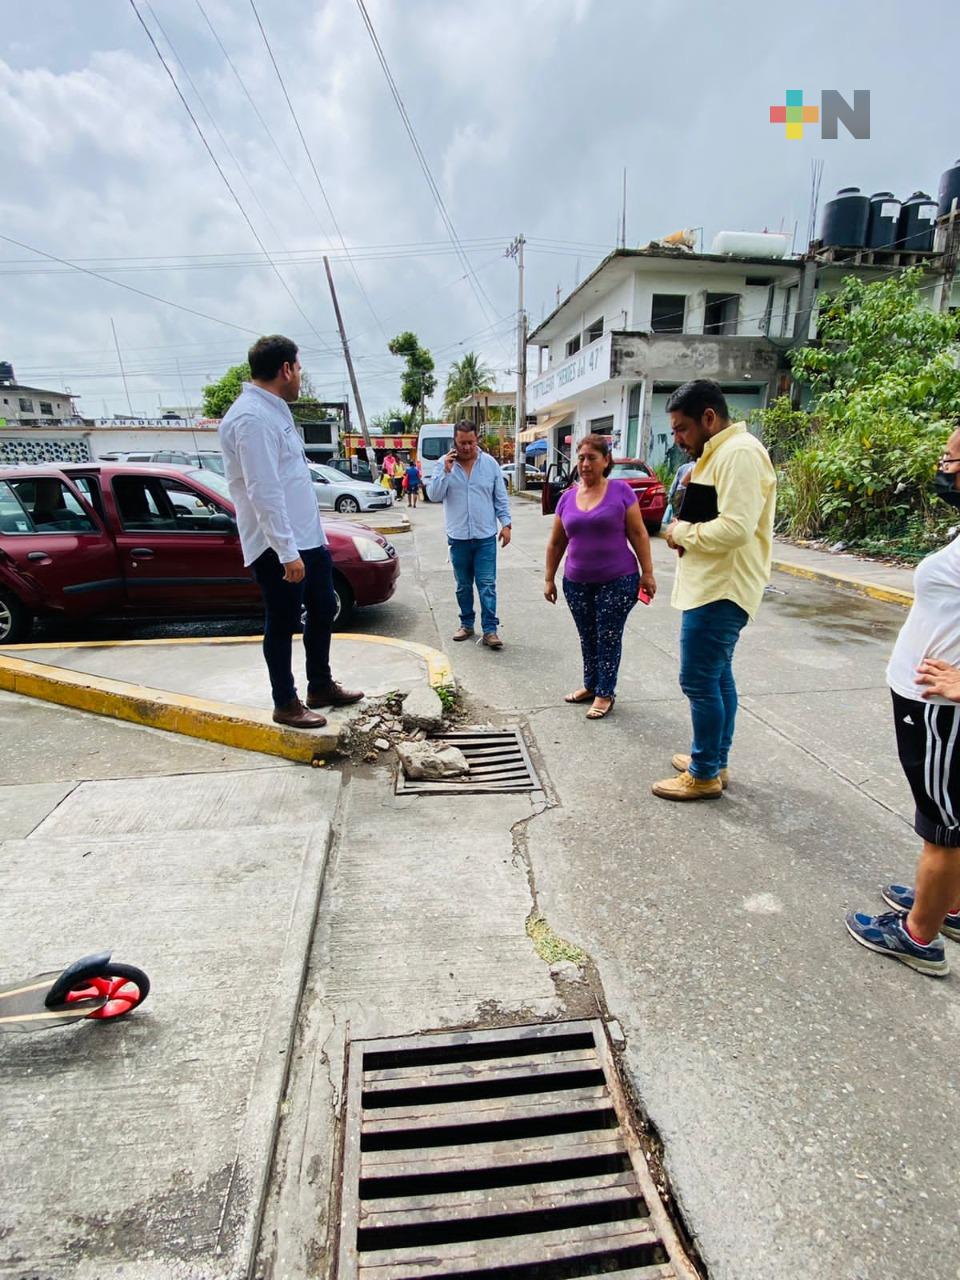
pixel 743 479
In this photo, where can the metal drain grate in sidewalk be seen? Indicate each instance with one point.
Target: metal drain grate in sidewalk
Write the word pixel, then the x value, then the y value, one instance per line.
pixel 506 1154
pixel 498 760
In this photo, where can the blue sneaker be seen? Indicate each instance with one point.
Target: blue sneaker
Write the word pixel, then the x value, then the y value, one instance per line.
pixel 887 935
pixel 901 898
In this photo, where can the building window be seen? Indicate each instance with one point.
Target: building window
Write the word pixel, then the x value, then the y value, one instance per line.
pixel 26 406
pixel 594 332
pixel 47 408
pixel 720 313
pixel 601 426
pixel 667 313
pixel 573 346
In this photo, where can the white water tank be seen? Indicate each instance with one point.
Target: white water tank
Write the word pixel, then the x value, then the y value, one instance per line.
pixel 751 244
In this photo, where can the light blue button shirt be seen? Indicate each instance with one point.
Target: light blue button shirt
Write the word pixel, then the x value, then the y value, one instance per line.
pixel 472 504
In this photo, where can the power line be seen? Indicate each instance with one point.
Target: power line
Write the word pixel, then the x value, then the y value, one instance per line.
pixel 129 287
pixel 479 292
pixel 219 168
pixel 316 173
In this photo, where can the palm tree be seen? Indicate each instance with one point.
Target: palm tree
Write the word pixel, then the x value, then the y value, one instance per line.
pixel 466 376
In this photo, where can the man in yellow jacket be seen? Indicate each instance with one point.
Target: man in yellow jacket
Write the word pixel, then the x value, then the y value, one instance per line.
pixel 724 540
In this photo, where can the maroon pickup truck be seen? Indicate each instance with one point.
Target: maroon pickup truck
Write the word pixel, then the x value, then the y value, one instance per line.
pixel 118 538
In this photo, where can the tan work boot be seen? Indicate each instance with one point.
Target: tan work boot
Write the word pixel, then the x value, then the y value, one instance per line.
pixel 492 640
pixel 463 633
pixel 686 787
pixel 681 763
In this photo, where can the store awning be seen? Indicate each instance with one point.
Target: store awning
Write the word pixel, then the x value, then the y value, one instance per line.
pixel 542 428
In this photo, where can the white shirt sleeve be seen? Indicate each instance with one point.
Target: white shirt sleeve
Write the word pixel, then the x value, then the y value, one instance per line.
pixel 257 453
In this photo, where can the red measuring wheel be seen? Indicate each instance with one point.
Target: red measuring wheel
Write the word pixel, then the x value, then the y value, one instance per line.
pixel 123 986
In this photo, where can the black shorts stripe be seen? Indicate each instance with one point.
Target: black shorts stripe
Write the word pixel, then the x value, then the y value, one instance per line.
pixel 928 743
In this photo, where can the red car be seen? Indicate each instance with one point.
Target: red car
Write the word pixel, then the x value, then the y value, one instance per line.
pixel 116 538
pixel 650 492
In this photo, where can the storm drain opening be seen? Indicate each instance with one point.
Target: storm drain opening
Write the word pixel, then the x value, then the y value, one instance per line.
pixel 498 760
pixel 507 1154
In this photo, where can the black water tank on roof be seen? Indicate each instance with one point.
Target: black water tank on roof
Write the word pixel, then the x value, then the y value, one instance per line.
pixel 845 219
pixel 949 190
pixel 916 224
pixel 882 227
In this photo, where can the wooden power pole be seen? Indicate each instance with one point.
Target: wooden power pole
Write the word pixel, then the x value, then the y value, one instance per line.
pixel 371 456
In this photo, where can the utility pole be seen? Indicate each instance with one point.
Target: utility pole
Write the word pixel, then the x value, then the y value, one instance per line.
pixel 519 464
pixel 123 376
pixel 948 237
pixel 371 456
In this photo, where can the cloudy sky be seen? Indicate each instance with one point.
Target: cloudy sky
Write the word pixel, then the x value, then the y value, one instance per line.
pixel 527 112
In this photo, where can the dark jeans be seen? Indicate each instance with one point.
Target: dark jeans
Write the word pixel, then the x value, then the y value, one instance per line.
pixel 285 603
pixel 600 610
pixel 474 560
pixel 708 637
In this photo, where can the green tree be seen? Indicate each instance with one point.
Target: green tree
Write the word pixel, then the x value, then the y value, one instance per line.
pixel 466 376
pixel 419 381
pixel 220 395
pixel 381 421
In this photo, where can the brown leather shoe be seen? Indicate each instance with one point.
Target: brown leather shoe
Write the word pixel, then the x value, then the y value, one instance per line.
pixel 296 716
pixel 334 695
pixel 464 633
pixel 492 640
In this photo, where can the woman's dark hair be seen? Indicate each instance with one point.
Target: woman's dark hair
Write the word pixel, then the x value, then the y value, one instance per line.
pixel 268 355
pixel 601 445
pixel 693 399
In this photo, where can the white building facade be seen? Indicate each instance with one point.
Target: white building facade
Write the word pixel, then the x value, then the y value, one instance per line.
pixel 645 322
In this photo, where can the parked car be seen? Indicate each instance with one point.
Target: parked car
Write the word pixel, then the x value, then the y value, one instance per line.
pixel 338 492
pixel 535 475
pixel 96 538
pixel 648 487
pixel 433 443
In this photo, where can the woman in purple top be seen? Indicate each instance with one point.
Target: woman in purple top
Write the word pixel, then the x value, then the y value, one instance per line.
pixel 599 526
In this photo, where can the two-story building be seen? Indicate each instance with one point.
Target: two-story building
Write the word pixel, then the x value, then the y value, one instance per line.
pixel 646 321
pixel 22 406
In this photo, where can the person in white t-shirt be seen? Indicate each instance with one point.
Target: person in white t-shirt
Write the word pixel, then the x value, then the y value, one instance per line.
pixel 924 679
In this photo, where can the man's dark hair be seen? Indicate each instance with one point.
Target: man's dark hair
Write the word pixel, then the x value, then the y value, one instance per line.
pixel 693 399
pixel 268 355
pixel 464 425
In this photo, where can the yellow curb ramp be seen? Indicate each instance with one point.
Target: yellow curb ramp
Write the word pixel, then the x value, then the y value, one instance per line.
pixel 247 728
pixel 889 595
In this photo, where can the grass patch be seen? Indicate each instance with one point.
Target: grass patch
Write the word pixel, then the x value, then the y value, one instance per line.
pixel 548 946
pixel 449 697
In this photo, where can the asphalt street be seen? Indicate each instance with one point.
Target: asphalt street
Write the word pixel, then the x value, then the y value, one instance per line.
pixel 804 1089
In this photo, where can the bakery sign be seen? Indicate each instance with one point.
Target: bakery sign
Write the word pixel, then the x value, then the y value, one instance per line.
pixel 586 369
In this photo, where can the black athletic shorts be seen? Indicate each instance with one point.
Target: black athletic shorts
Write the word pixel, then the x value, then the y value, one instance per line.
pixel 928 743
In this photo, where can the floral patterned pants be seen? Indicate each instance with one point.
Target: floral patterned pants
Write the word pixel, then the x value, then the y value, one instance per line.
pixel 600 610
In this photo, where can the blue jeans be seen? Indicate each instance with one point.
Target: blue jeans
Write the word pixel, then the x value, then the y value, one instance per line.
pixel 284 603
pixel 474 560
pixel 708 637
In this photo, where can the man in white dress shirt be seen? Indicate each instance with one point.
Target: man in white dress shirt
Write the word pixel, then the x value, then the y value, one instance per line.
pixel 281 533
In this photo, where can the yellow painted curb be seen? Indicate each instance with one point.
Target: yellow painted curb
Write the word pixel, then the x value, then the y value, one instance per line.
pixel 439 671
pixel 889 595
pixel 246 728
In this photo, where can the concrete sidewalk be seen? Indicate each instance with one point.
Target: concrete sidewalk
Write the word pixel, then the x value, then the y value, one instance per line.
pixel 142 1147
pixel 213 689
pixel 890 583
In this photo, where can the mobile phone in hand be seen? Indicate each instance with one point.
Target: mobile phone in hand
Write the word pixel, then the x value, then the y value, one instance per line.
pixel 643 596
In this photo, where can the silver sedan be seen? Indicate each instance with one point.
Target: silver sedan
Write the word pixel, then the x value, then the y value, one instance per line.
pixel 339 492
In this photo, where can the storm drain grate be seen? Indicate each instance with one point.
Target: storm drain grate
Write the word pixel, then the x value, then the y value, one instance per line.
pixel 498 760
pixel 506 1154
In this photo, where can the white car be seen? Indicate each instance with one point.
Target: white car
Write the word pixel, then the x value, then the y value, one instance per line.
pixel 338 492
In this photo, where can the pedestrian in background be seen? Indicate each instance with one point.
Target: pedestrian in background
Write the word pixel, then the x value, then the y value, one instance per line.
pixel 281 534
pixel 398 475
pixel 470 486
pixel 724 544
pixel 414 481
pixel 599 527
pixel 925 687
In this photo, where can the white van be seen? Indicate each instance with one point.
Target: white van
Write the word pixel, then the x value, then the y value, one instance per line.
pixel 433 443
